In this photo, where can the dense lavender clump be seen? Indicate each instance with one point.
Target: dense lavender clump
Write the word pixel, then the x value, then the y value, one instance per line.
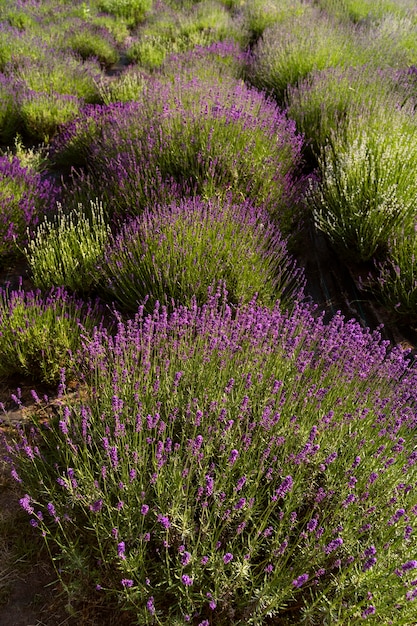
pixel 175 252
pixel 40 334
pixel 229 465
pixel 213 138
pixel 24 197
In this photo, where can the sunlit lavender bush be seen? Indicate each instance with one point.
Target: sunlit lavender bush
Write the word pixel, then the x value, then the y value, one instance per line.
pixel 324 100
pixel 175 252
pixel 210 137
pixel 25 196
pixel 222 59
pixel 133 11
pixel 261 14
pixel 230 466
pixel 366 10
pixel 367 187
pixel 61 72
pixel 289 50
pixel 92 43
pixel 40 334
pixel 65 249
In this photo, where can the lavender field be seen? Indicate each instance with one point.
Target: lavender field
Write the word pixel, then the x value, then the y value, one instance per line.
pixel 199 439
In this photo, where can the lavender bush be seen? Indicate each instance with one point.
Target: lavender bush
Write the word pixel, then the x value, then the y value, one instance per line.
pixel 366 10
pixel 222 59
pixel 133 11
pixel 261 14
pixel 9 110
pixel 322 102
pixel 366 190
pixel 39 335
pixel 61 73
pixel 42 114
pixel 206 136
pixel 289 50
pixel 175 252
pixel 93 43
pixel 65 251
pixel 176 32
pixel 230 467
pixel 25 195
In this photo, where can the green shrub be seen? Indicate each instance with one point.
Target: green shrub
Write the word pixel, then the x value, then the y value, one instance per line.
pixel 128 86
pixel 93 45
pixel 61 73
pixel 291 49
pixel 394 281
pixel 261 14
pixel 325 100
pixel 366 10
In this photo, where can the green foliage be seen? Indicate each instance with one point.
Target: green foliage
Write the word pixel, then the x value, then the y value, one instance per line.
pixel 395 281
pixel 64 252
pixel 62 74
pixel 261 14
pixel 128 86
pixel 169 33
pixel 18 19
pixel 164 486
pixel 149 52
pixel 9 113
pixel 325 100
pixel 393 41
pixel 366 10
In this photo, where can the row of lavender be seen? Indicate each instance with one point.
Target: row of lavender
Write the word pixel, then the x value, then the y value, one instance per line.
pixel 231 458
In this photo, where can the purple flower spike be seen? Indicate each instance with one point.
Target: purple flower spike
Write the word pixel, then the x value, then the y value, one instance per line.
pixel 227 557
pixel 186 580
pixel 299 582
pixel 164 521
pixel 233 456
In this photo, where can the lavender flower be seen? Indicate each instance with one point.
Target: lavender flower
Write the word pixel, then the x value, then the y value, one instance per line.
pixel 300 580
pixel 164 521
pixel 333 545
